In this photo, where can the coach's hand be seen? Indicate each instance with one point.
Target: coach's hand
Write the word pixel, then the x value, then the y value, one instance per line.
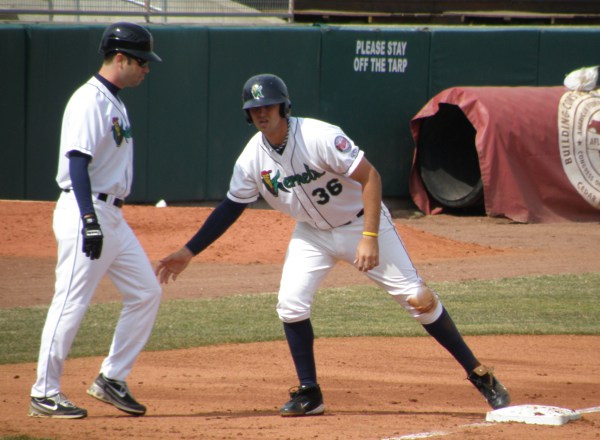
pixel 92 237
pixel 173 265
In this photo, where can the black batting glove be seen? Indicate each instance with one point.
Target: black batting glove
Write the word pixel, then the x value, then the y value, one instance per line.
pixel 92 237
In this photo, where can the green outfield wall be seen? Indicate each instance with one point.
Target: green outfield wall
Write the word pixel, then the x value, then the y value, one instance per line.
pixel 187 120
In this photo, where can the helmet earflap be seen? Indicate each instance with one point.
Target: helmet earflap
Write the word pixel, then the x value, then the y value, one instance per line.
pixel 285 109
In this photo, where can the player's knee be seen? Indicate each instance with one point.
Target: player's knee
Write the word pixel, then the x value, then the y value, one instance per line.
pixel 150 296
pixel 154 292
pixel 422 303
pixel 157 294
pixel 424 300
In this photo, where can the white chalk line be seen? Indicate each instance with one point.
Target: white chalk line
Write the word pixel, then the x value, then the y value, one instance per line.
pixel 593 409
pixel 432 434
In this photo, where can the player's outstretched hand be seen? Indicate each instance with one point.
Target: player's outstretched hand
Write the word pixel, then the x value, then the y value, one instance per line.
pixel 173 265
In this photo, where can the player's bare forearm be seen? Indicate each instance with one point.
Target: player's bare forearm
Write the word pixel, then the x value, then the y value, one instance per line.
pixel 173 265
pixel 370 180
pixel 372 203
pixel 367 252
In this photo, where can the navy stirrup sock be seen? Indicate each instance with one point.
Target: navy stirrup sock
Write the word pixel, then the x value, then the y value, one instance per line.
pixel 445 332
pixel 300 338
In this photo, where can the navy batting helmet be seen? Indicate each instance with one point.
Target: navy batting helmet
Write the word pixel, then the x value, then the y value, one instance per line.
pixel 128 38
pixel 265 89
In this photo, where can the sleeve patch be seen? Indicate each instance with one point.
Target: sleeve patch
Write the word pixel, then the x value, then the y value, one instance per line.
pixel 342 144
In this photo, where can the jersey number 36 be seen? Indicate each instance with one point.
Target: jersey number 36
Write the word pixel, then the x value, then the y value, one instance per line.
pixel 332 188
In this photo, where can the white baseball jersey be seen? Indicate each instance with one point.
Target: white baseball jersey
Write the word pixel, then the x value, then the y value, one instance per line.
pixel 85 128
pixel 95 122
pixel 310 182
pixel 312 172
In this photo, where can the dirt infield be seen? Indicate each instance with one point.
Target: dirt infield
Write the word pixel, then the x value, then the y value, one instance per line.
pixel 375 388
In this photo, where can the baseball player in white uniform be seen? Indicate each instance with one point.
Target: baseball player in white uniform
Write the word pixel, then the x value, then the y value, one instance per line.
pixel 95 174
pixel 314 172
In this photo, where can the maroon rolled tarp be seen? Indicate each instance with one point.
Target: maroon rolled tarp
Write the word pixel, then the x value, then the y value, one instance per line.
pixel 523 162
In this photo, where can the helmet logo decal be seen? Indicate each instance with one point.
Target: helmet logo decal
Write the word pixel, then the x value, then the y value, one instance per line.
pixel 274 184
pixel 257 91
pixel 120 133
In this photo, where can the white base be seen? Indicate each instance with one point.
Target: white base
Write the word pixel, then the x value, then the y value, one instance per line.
pixel 533 414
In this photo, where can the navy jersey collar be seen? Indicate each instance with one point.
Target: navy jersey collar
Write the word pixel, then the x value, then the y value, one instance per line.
pixel 110 86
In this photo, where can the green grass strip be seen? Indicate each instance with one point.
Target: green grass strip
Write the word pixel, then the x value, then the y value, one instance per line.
pixel 541 305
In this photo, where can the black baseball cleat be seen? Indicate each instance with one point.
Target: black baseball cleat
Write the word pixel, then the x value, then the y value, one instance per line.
pixel 306 400
pixel 116 393
pixel 494 392
pixel 57 407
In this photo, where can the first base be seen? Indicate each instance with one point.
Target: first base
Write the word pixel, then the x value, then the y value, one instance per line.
pixel 533 414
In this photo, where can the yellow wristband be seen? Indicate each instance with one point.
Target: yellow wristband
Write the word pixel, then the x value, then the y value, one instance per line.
pixel 370 234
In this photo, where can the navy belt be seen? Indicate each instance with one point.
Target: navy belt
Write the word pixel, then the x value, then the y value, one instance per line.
pixel 117 202
pixel 360 214
pixel 104 197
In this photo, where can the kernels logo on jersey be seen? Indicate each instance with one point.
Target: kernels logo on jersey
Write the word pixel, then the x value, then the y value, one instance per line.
pixel 120 133
pixel 276 183
pixel 579 143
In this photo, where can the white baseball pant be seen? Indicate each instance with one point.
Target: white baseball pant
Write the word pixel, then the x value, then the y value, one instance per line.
pixel 312 253
pixel 77 277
